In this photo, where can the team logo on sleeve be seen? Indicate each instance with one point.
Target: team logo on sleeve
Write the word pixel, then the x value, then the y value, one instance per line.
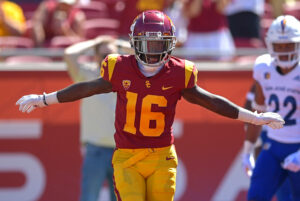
pixel 267 75
pixel 126 84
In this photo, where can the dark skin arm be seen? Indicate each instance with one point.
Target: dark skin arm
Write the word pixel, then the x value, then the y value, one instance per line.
pixel 194 95
pixel 215 103
pixel 83 89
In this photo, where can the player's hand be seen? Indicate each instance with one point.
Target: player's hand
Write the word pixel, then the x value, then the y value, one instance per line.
pixel 247 164
pixel 29 102
pixel 292 162
pixel 271 119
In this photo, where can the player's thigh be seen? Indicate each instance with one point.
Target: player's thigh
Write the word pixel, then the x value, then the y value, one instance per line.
pixel 129 183
pixel 284 191
pixel 161 184
pixel 267 177
pixel 294 179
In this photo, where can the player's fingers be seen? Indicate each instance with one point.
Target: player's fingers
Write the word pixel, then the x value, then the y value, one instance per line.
pixel 21 107
pixel 26 107
pixel 31 108
pixel 292 168
pixel 20 101
pixel 275 125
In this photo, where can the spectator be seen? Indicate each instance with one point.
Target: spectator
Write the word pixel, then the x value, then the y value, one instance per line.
pixel 174 11
pixel 97 127
pixel 207 29
pixel 12 19
pixel 135 7
pixel 57 18
pixel 244 18
pixel 277 7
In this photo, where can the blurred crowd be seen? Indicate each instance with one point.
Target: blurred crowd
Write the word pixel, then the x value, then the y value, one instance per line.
pixel 206 26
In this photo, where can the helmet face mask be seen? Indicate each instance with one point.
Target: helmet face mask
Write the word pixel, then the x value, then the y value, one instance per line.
pixel 287 53
pixel 283 41
pixel 153 38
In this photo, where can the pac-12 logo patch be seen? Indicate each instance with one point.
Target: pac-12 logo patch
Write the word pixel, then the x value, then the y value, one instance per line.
pixel 267 75
pixel 126 84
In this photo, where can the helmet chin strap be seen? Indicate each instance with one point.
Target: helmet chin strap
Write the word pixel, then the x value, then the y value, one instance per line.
pixel 149 71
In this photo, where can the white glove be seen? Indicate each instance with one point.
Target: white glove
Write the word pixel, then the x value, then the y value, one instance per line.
pixel 271 119
pixel 247 163
pixel 29 102
pixel 292 162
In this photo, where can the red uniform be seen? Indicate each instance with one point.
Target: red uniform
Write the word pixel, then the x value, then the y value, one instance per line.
pixel 146 106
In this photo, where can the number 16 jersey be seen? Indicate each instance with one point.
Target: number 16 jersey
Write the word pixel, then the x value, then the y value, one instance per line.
pixel 146 105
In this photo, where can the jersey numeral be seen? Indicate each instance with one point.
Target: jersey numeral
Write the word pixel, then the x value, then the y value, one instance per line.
pixel 289 100
pixel 146 114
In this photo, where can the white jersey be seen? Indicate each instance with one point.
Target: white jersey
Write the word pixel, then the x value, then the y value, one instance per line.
pixel 282 95
pixel 97 112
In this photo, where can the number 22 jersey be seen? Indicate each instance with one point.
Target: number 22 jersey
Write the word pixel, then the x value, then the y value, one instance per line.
pixel 282 95
pixel 146 105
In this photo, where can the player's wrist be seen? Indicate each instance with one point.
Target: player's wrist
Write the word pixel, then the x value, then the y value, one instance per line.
pixel 247 116
pixel 49 99
pixel 248 147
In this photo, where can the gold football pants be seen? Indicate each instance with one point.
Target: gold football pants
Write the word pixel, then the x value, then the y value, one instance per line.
pixel 147 174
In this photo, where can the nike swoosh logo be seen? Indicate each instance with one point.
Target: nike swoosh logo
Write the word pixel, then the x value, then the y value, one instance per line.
pixel 170 158
pixel 166 88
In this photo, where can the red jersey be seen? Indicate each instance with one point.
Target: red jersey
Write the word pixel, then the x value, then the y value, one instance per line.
pixel 146 105
pixel 208 20
pixel 50 26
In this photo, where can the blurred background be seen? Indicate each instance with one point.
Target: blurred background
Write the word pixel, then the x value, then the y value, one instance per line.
pixel 40 156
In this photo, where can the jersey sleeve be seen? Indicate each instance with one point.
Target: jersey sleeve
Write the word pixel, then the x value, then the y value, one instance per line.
pixel 260 67
pixel 108 67
pixel 190 73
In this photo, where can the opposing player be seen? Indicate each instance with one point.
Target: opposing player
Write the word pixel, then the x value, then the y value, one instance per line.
pixel 148 86
pixel 277 89
pixel 255 138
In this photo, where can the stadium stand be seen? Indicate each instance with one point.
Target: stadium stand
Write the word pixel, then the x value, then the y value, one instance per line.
pixel 95 9
pixel 27 59
pixel 15 42
pixel 101 26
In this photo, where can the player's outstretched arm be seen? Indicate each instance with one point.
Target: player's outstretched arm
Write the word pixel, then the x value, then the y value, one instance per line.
pixel 224 107
pixel 72 93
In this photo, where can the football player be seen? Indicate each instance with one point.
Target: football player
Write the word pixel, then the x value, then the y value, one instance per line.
pixel 256 137
pixel 277 89
pixel 148 85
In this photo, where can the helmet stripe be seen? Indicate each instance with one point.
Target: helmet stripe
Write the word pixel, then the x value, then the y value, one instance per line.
pixel 283 24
